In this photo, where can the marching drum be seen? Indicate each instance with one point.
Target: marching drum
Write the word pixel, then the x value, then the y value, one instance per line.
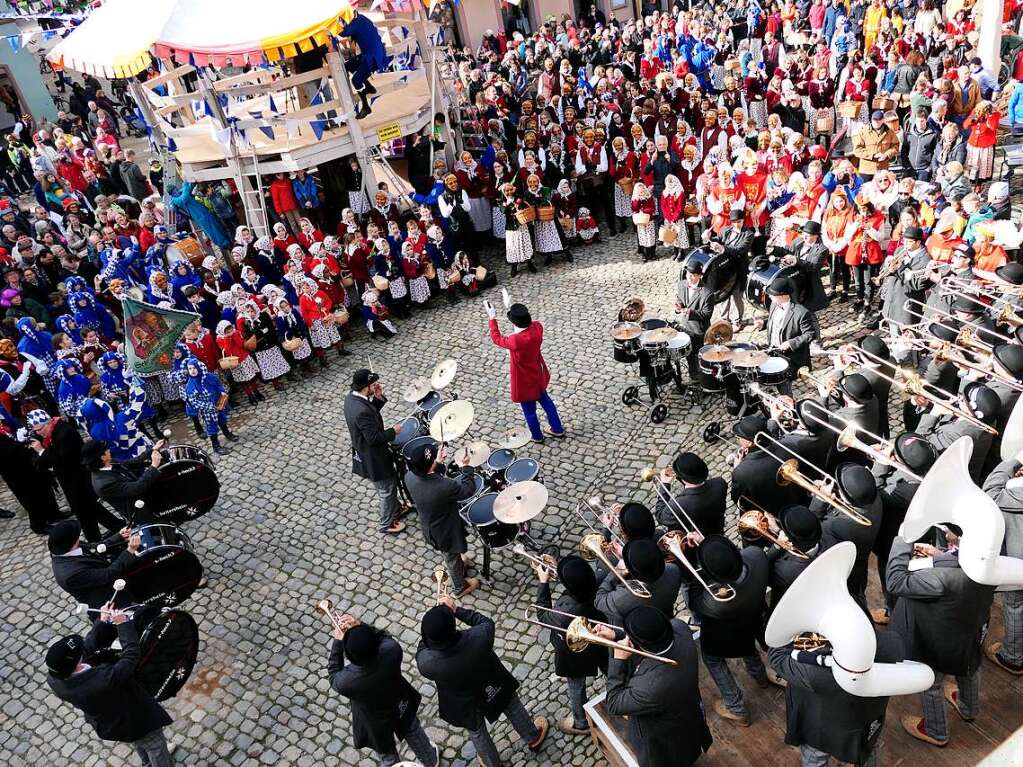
pixel 773 372
pixel 523 470
pixel 165 571
pixel 720 271
pixel 762 273
pixel 186 488
pixel 480 515
pixel 625 336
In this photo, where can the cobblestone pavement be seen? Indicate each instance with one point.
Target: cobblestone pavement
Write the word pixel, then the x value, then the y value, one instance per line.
pixel 293 526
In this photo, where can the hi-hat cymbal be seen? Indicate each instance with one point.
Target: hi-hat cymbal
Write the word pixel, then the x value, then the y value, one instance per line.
pixel 514 438
pixel 417 389
pixel 452 420
pixel 478 453
pixel 520 502
pixel 717 353
pixel 661 335
pixel 443 374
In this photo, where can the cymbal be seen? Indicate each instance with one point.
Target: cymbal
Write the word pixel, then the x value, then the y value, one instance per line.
pixel 750 358
pixel 443 373
pixel 417 389
pixel 625 331
pixel 478 453
pixel 520 502
pixel 514 438
pixel 661 335
pixel 452 420
pixel 719 332
pixel 718 353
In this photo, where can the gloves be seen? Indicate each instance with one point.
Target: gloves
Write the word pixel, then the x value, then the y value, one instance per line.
pixel 491 311
pixel 506 297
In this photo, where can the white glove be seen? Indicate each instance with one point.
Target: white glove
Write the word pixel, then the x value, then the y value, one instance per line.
pixel 491 311
pixel 506 297
pixel 22 434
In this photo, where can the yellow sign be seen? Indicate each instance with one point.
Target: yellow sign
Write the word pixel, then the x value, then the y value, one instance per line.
pixel 388 132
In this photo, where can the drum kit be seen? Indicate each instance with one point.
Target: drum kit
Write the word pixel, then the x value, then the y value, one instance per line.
pixel 762 272
pixel 720 271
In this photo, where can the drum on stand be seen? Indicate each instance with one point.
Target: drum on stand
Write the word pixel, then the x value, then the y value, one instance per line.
pixel 625 336
pixel 773 372
pixel 523 470
pixel 679 347
pixel 494 534
pixel 187 486
pixel 496 465
pixel 165 570
pixel 764 271
pixel 720 271
pixel 714 362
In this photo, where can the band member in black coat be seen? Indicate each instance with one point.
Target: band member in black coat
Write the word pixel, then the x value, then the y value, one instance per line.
pixel 755 473
pixel 941 616
pixel 121 484
pixel 580 587
pixel 803 530
pixel 644 562
pixel 29 483
pixel 85 576
pixel 667 727
pixel 822 718
pixel 695 301
pixel 703 498
pixel 437 499
pixel 872 370
pixel 729 629
pixel 473 685
pixel 807 254
pixel 804 432
pixel 791 328
pixel 371 454
pixel 58 445
pixel 850 399
pixel 112 701
pixel 384 704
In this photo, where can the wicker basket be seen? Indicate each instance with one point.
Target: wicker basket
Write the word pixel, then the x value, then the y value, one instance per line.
pixel 526 215
pixel 229 363
pixel 668 235
pixel 849 109
pixel 884 103
pixel 341 316
pixel 347 280
pixel 429 270
pixel 640 219
pixel 291 344
pixel 626 184
pixel 545 213
pixel 381 283
pixel 481 273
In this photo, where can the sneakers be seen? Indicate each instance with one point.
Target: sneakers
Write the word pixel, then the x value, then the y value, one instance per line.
pixel 567 726
pixel 543 726
pixel 993 650
pixel 723 711
pixel 471 584
pixel 880 616
pixel 914 725
pixel 394 528
pixel 952 696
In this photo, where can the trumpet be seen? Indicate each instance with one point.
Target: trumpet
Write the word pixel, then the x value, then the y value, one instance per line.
pixel 337 619
pixel 546 561
pixel 440 577
pixel 579 633
pixel 754 522
pixel 789 474
pixel 593 546
pixel 671 543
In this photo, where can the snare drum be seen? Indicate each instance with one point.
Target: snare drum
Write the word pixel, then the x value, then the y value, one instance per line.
pixel 480 515
pixel 186 488
pixel 165 571
pixel 746 369
pixel 523 470
pixel 679 347
pixel 713 371
pixel 774 372
pixel 496 465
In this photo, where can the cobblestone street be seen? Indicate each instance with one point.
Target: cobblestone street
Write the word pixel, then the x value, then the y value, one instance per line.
pixel 293 526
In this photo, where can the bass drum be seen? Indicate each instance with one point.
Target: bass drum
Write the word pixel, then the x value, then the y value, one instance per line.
pixel 187 487
pixel 762 273
pixel 169 648
pixel 720 271
pixel 480 515
pixel 165 571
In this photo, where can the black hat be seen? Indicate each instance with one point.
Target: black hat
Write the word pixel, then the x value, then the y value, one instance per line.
pixel 780 286
pixel 720 558
pixel 736 214
pixel 362 378
pixel 648 629
pixel 361 644
pixel 695 268
pixel 636 521
pixel 856 484
pixel 519 316
pixel 968 305
pixel 813 415
pixel 874 345
pixel 63 536
pixel 962 250
pixel 643 560
pixel 438 627
pixel 982 401
pixel 915 451
pixel 943 332
pixel 422 457
pixel 1011 272
pixel 689 467
pixel 92 452
pixel 189 290
pixel 857 388
pixel 913 233
pixel 801 526
pixel 578 578
pixel 1010 357
pixel 64 655
pixel 811 227
pixel 749 426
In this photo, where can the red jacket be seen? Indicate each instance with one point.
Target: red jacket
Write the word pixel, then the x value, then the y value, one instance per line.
pixel 283 196
pixel 233 346
pixel 672 207
pixel 529 372
pixel 206 350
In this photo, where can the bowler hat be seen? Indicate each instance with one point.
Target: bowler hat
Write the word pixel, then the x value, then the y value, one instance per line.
pixel 856 484
pixel 643 560
pixel 720 558
pixel 648 628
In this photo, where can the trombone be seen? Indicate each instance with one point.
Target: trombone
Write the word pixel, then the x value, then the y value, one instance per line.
pixel 579 633
pixel 789 474
pixel 671 541
pixel 546 561
pixel 792 421
pixel 593 546
pixel 596 508
pixel 338 620
pixel 973 327
pixel 754 522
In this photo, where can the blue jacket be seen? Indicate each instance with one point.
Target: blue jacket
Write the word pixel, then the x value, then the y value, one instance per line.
pixel 203 217
pixel 306 191
pixel 831 18
pixel 1016 106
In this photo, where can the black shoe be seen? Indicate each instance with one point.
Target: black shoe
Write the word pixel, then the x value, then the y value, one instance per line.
pixel 514 269
pixel 547 261
pixel 7 514
pixel 569 256
pixel 324 364
pixel 344 353
pixel 221 449
pixel 252 399
pixel 531 266
pixel 291 376
pixel 259 396
pixel 231 436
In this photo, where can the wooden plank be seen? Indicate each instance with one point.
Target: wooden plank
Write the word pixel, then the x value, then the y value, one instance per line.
pixel 282 84
pixel 166 77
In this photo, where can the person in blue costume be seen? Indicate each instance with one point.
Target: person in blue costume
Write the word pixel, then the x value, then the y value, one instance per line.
pixel 73 388
pixel 37 346
pixel 120 431
pixel 115 385
pixel 201 216
pixel 206 396
pixel 89 314
pixel 372 57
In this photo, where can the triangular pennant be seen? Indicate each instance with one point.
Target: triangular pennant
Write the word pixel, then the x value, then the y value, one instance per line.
pixel 318 127
pixel 272 105
pixel 15 42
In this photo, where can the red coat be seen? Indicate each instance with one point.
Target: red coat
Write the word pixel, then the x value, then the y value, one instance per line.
pixel 529 372
pixel 206 350
pixel 672 207
pixel 233 346
pixel 283 196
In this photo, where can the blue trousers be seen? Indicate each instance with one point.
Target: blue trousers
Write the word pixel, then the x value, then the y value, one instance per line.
pixel 551 411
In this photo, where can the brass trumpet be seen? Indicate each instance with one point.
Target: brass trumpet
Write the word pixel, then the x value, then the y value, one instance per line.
pixel 440 577
pixel 337 619
pixel 579 633
pixel 754 522
pixel 789 474
pixel 593 546
pixel 974 328
pixel 546 561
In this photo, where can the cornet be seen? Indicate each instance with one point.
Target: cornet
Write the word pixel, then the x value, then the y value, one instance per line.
pixel 338 620
pixel 754 522
pixel 789 474
pixel 593 546
pixel 579 633
pixel 546 561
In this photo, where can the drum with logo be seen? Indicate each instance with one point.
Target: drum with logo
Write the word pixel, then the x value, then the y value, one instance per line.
pixel 165 570
pixel 720 271
pixel 187 487
pixel 764 271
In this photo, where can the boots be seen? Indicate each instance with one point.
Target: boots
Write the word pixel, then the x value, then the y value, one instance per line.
pixel 531 266
pixel 252 399
pixel 217 447
pixel 322 358
pixel 365 108
pixel 198 428
pixel 514 269
pixel 342 351
pixel 259 395
pixel 231 437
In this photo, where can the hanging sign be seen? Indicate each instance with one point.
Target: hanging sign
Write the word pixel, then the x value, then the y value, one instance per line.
pixel 389 132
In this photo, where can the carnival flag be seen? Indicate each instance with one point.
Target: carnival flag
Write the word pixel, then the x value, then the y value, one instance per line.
pixel 150 333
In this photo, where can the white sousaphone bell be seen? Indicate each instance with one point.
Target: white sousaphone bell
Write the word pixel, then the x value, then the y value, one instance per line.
pixel 819 602
pixel 948 494
pixel 1012 434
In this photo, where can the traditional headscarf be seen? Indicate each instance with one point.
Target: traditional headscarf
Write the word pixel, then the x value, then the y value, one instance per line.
pixel 672 185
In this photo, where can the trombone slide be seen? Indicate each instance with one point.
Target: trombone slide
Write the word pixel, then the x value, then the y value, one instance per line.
pixel 592 546
pixel 671 543
pixel 579 634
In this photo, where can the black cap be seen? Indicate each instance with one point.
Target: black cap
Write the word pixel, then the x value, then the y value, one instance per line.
pixel 813 415
pixel 1011 272
pixel 1010 357
pixel 915 451
pixel 361 644
pixel 92 452
pixel 780 286
pixel 811 227
pixel 519 316
pixel 422 457
pixel 736 214
pixel 577 578
pixel 801 526
pixel 913 233
pixel 695 268
pixel 720 558
pixel 64 654
pixel 643 560
pixel 943 332
pixel 438 628
pixel 63 536
pixel 982 401
pixel 362 378
pixel 689 467
pixel 857 388
pixel 636 521
pixel 856 484
pixel 967 305
pixel 648 628
pixel 874 345
pixel 749 426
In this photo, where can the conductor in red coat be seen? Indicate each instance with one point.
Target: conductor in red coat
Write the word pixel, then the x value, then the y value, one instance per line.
pixel 529 372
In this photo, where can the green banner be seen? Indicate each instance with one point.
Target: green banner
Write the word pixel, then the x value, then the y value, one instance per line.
pixel 150 333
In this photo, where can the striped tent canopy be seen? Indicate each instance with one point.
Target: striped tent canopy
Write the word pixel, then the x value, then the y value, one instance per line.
pixel 118 39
